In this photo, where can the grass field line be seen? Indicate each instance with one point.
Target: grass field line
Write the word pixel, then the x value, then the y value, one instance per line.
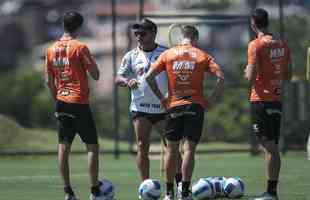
pixel 19 178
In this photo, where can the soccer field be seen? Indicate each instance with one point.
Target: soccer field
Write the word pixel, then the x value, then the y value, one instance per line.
pixel 36 177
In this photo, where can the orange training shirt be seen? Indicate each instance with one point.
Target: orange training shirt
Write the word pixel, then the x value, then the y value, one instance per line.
pixel 185 66
pixel 68 61
pixel 271 56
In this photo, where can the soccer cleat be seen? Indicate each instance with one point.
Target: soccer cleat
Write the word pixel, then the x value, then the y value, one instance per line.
pixel 189 197
pixel 70 197
pixel 266 196
pixel 168 197
pixel 93 197
pixel 179 190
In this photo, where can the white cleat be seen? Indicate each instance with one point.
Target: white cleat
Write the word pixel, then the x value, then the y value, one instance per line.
pixel 168 197
pixel 70 197
pixel 93 197
pixel 179 191
pixel 266 196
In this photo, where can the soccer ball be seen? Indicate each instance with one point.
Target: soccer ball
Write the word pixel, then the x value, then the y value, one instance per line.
pixel 149 189
pixel 203 189
pixel 234 187
pixel 217 184
pixel 107 190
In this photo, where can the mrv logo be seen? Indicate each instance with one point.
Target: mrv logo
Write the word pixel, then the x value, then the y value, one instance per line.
pixel 277 52
pixel 60 62
pixel 183 65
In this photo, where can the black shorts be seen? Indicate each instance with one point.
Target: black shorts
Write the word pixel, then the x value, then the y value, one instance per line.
pixel 151 117
pixel 266 120
pixel 75 118
pixel 185 121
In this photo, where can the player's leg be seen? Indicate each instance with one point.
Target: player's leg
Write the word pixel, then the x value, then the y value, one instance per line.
pixel 143 128
pixel 271 147
pixel 188 164
pixel 86 128
pixel 178 174
pixel 266 126
pixel 273 164
pixel 66 133
pixel 192 132
pixel 173 135
pixel 93 165
pixel 160 126
pixel 170 165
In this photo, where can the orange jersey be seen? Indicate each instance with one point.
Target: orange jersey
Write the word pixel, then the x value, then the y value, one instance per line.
pixel 271 57
pixel 68 61
pixel 185 66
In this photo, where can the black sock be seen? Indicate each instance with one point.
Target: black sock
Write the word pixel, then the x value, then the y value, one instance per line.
pixel 178 178
pixel 272 187
pixel 68 190
pixel 95 190
pixel 185 188
pixel 169 189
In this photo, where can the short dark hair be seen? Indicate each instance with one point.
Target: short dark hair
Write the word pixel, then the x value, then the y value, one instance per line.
pixel 260 17
pixel 72 20
pixel 190 31
pixel 145 24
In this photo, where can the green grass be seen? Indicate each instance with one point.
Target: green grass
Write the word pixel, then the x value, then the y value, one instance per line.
pixel 36 177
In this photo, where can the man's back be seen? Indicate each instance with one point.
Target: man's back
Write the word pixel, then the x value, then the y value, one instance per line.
pixel 185 66
pixel 68 60
pixel 272 56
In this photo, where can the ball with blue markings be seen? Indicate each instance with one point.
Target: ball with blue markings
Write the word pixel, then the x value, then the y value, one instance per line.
pixel 149 189
pixel 218 185
pixel 107 190
pixel 234 187
pixel 203 189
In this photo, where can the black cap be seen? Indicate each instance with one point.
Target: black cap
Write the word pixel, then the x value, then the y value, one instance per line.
pixel 144 25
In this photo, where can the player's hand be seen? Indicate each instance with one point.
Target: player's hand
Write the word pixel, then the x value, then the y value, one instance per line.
pixel 164 103
pixel 133 84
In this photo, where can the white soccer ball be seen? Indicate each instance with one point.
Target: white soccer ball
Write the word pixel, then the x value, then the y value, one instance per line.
pixel 203 189
pixel 107 190
pixel 234 187
pixel 149 189
pixel 218 185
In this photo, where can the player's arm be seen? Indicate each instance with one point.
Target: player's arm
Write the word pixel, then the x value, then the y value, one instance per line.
pixel 50 78
pixel 155 69
pixel 50 82
pixel 151 80
pixel 89 63
pixel 123 81
pixel 124 72
pixel 216 71
pixel 250 70
pixel 94 72
pixel 219 86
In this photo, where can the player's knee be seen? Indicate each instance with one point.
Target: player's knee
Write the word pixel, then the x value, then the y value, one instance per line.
pixel 143 147
pixel 64 149
pixel 93 148
pixel 172 150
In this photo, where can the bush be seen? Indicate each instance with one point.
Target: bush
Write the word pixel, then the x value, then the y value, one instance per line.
pixel 20 91
pixel 9 129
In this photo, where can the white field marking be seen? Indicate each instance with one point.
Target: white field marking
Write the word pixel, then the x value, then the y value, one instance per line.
pixel 21 178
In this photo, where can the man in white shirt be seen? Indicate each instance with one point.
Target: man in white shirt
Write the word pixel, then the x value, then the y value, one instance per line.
pixel 146 109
